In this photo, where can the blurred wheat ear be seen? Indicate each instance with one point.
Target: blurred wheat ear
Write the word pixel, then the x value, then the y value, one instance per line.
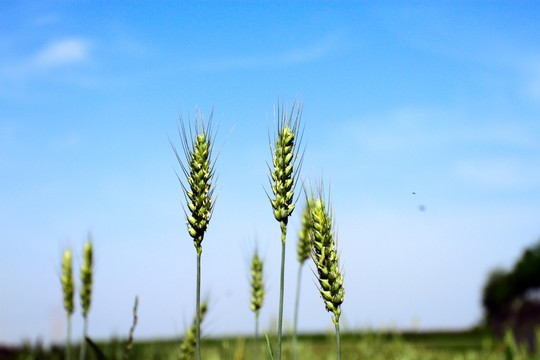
pixel 86 288
pixel 257 295
pixel 68 290
pixel 198 168
pixel 189 343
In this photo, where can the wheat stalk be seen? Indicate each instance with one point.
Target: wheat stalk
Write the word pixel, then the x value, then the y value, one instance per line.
pixel 326 262
pixel 86 289
pixel 304 250
pixel 129 344
pixel 68 290
pixel 198 168
pixel 283 180
pixel 257 294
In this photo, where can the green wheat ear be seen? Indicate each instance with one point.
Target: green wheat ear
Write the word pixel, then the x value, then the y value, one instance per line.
pixel 257 284
pixel 86 277
pixel 68 289
pixel 86 289
pixel 286 164
pixel 326 259
pixel 187 348
pixel 198 168
pixel 68 284
pixel 257 295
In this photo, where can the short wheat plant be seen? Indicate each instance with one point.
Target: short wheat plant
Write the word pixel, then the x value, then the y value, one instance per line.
pixel 257 295
pixel 189 343
pixel 129 344
pixel 303 252
pixel 86 290
pixel 326 261
pixel 68 291
pixel 283 178
pixel 198 168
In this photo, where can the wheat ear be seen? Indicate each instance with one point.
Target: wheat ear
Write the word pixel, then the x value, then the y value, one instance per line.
pixel 86 289
pixel 283 180
pixel 326 262
pixel 304 250
pixel 68 290
pixel 257 294
pixel 198 168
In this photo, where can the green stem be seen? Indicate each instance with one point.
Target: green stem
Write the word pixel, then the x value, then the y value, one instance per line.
pixel 280 316
pixel 68 338
pixel 198 308
pixel 338 342
pixel 256 342
pixel 83 343
pixel 296 309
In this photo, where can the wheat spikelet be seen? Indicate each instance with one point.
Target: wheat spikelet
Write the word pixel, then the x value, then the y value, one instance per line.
pixel 305 240
pixel 257 284
pixel 187 348
pixel 326 259
pixel 86 277
pixel 68 284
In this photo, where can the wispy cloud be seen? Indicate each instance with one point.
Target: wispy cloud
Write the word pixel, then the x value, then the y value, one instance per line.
pixel 57 54
pixel 47 19
pixel 66 141
pixel 430 128
pixel 306 54
pixel 499 173
pixel 534 81
pixel 61 53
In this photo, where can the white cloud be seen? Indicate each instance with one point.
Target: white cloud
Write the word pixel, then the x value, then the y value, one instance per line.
pixel 62 52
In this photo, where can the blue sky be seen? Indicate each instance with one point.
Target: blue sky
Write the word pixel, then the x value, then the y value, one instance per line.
pixel 441 99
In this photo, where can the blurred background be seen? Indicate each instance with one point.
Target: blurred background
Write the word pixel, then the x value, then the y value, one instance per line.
pixel 422 119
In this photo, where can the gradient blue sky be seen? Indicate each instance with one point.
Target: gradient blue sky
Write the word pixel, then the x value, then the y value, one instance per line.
pixel 438 98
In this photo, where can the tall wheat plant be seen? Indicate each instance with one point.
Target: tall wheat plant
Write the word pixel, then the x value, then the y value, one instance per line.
pixel 283 180
pixel 257 295
pixel 68 291
pixel 303 252
pixel 198 168
pixel 86 290
pixel 326 261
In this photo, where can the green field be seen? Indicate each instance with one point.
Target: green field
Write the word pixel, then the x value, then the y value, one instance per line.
pixel 478 344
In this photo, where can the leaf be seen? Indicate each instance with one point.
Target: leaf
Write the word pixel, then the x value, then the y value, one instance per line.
pixel 97 351
pixel 269 345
